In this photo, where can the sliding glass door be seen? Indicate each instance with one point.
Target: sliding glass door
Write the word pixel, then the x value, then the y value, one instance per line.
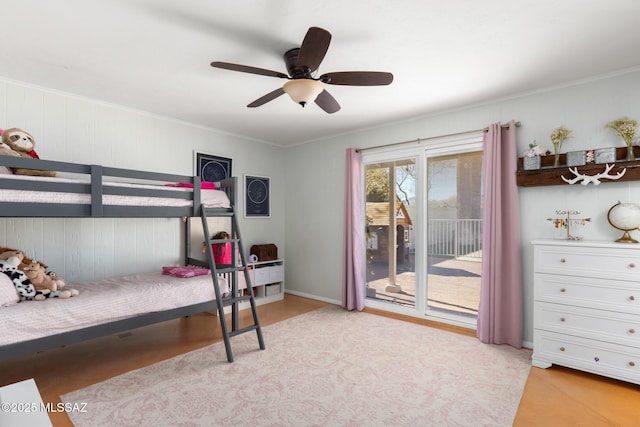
pixel 454 232
pixel 424 229
pixel 390 212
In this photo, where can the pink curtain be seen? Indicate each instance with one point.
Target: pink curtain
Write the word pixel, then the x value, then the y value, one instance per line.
pixel 500 313
pixel 353 268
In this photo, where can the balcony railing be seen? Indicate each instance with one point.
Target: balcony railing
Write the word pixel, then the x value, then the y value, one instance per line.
pixel 455 237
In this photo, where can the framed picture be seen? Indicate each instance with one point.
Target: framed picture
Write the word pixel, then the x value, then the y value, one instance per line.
pixel 212 168
pixel 257 200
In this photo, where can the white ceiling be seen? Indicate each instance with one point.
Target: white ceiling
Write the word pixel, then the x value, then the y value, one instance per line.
pixel 154 55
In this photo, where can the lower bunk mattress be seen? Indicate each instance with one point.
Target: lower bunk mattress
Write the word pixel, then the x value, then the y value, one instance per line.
pixel 104 301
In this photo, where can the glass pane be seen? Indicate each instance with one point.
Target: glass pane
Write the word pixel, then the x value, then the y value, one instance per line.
pixel 454 232
pixel 390 209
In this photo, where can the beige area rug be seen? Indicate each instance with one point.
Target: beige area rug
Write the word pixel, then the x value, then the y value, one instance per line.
pixel 328 367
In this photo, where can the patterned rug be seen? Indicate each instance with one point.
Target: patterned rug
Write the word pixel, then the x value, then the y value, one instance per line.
pixel 328 367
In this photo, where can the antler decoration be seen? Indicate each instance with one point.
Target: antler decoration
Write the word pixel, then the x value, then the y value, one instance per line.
pixel 595 179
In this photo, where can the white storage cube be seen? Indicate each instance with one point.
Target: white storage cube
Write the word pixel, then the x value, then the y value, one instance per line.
pixel 261 276
pixel 276 273
pixel 272 290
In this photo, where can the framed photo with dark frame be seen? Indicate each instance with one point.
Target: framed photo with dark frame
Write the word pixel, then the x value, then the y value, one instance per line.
pixel 212 168
pixel 257 200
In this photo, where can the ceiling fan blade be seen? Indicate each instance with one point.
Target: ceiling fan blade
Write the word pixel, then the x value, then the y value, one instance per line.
pixel 357 78
pixel 268 97
pixel 314 48
pixel 248 69
pixel 327 102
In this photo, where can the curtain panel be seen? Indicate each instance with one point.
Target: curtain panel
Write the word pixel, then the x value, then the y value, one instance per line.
pixel 353 286
pixel 500 312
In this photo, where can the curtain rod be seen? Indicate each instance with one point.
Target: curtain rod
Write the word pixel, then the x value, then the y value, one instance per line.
pixel 418 140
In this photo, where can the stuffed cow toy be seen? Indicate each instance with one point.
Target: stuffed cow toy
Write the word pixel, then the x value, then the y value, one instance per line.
pixel 30 278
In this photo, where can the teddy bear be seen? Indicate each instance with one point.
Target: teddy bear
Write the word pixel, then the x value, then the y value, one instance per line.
pixel 42 279
pixel 23 144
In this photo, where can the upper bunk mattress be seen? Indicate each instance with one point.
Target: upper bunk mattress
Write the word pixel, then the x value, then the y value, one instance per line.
pixel 104 301
pixel 209 198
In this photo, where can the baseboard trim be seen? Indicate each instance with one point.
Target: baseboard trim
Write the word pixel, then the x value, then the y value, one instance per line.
pixel 314 297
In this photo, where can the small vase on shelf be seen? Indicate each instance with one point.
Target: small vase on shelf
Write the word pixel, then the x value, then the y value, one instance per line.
pixel 630 154
pixel 626 129
pixel 558 136
pixel 531 159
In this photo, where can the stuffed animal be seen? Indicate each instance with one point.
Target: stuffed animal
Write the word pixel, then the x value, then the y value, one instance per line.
pixel 24 287
pixel 37 274
pixel 30 277
pixel 5 150
pixel 23 143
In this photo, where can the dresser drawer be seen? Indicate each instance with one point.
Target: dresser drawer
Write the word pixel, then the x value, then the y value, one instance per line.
pixel 589 292
pixel 612 360
pixel 607 262
pixel 619 328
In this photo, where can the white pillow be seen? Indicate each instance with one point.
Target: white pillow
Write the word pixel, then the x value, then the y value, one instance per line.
pixel 8 293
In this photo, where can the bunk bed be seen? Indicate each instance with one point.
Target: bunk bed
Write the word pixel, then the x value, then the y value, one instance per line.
pixel 116 304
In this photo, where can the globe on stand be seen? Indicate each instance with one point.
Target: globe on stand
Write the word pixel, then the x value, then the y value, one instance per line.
pixel 625 217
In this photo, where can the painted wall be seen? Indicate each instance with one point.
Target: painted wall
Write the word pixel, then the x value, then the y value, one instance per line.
pixel 307 180
pixel 315 189
pixel 73 129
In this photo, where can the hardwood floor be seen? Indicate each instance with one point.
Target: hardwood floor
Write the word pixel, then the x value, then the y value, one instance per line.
pixel 552 397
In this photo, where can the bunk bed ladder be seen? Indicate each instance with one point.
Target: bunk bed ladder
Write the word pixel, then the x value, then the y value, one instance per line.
pixel 231 271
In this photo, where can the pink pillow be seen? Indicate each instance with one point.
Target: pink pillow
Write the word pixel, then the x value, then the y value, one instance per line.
pixel 184 271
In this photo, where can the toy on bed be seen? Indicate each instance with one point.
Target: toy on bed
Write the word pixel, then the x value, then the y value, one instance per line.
pixel 25 289
pixel 42 279
pixel 5 150
pixel 12 264
pixel 23 144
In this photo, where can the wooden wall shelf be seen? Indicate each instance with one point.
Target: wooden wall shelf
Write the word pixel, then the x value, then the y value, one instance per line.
pixel 548 175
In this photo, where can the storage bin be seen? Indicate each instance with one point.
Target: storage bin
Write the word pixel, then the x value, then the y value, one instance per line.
pixel 261 276
pixel 276 273
pixel 272 290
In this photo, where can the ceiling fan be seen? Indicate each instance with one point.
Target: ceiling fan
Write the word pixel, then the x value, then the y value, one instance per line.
pixel 301 62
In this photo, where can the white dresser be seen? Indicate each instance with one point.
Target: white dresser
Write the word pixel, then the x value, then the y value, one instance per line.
pixel 587 307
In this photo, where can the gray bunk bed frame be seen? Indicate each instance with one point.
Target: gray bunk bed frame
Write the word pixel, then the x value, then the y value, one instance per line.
pixel 96 209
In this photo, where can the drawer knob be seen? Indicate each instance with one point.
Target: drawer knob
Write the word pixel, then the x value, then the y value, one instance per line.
pixel 562 319
pixel 563 290
pixel 632 265
pixel 632 331
pixel 561 348
pixel 632 364
pixel 562 260
pixel 632 298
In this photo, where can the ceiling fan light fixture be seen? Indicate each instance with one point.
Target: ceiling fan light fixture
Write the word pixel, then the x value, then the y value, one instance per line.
pixel 303 91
